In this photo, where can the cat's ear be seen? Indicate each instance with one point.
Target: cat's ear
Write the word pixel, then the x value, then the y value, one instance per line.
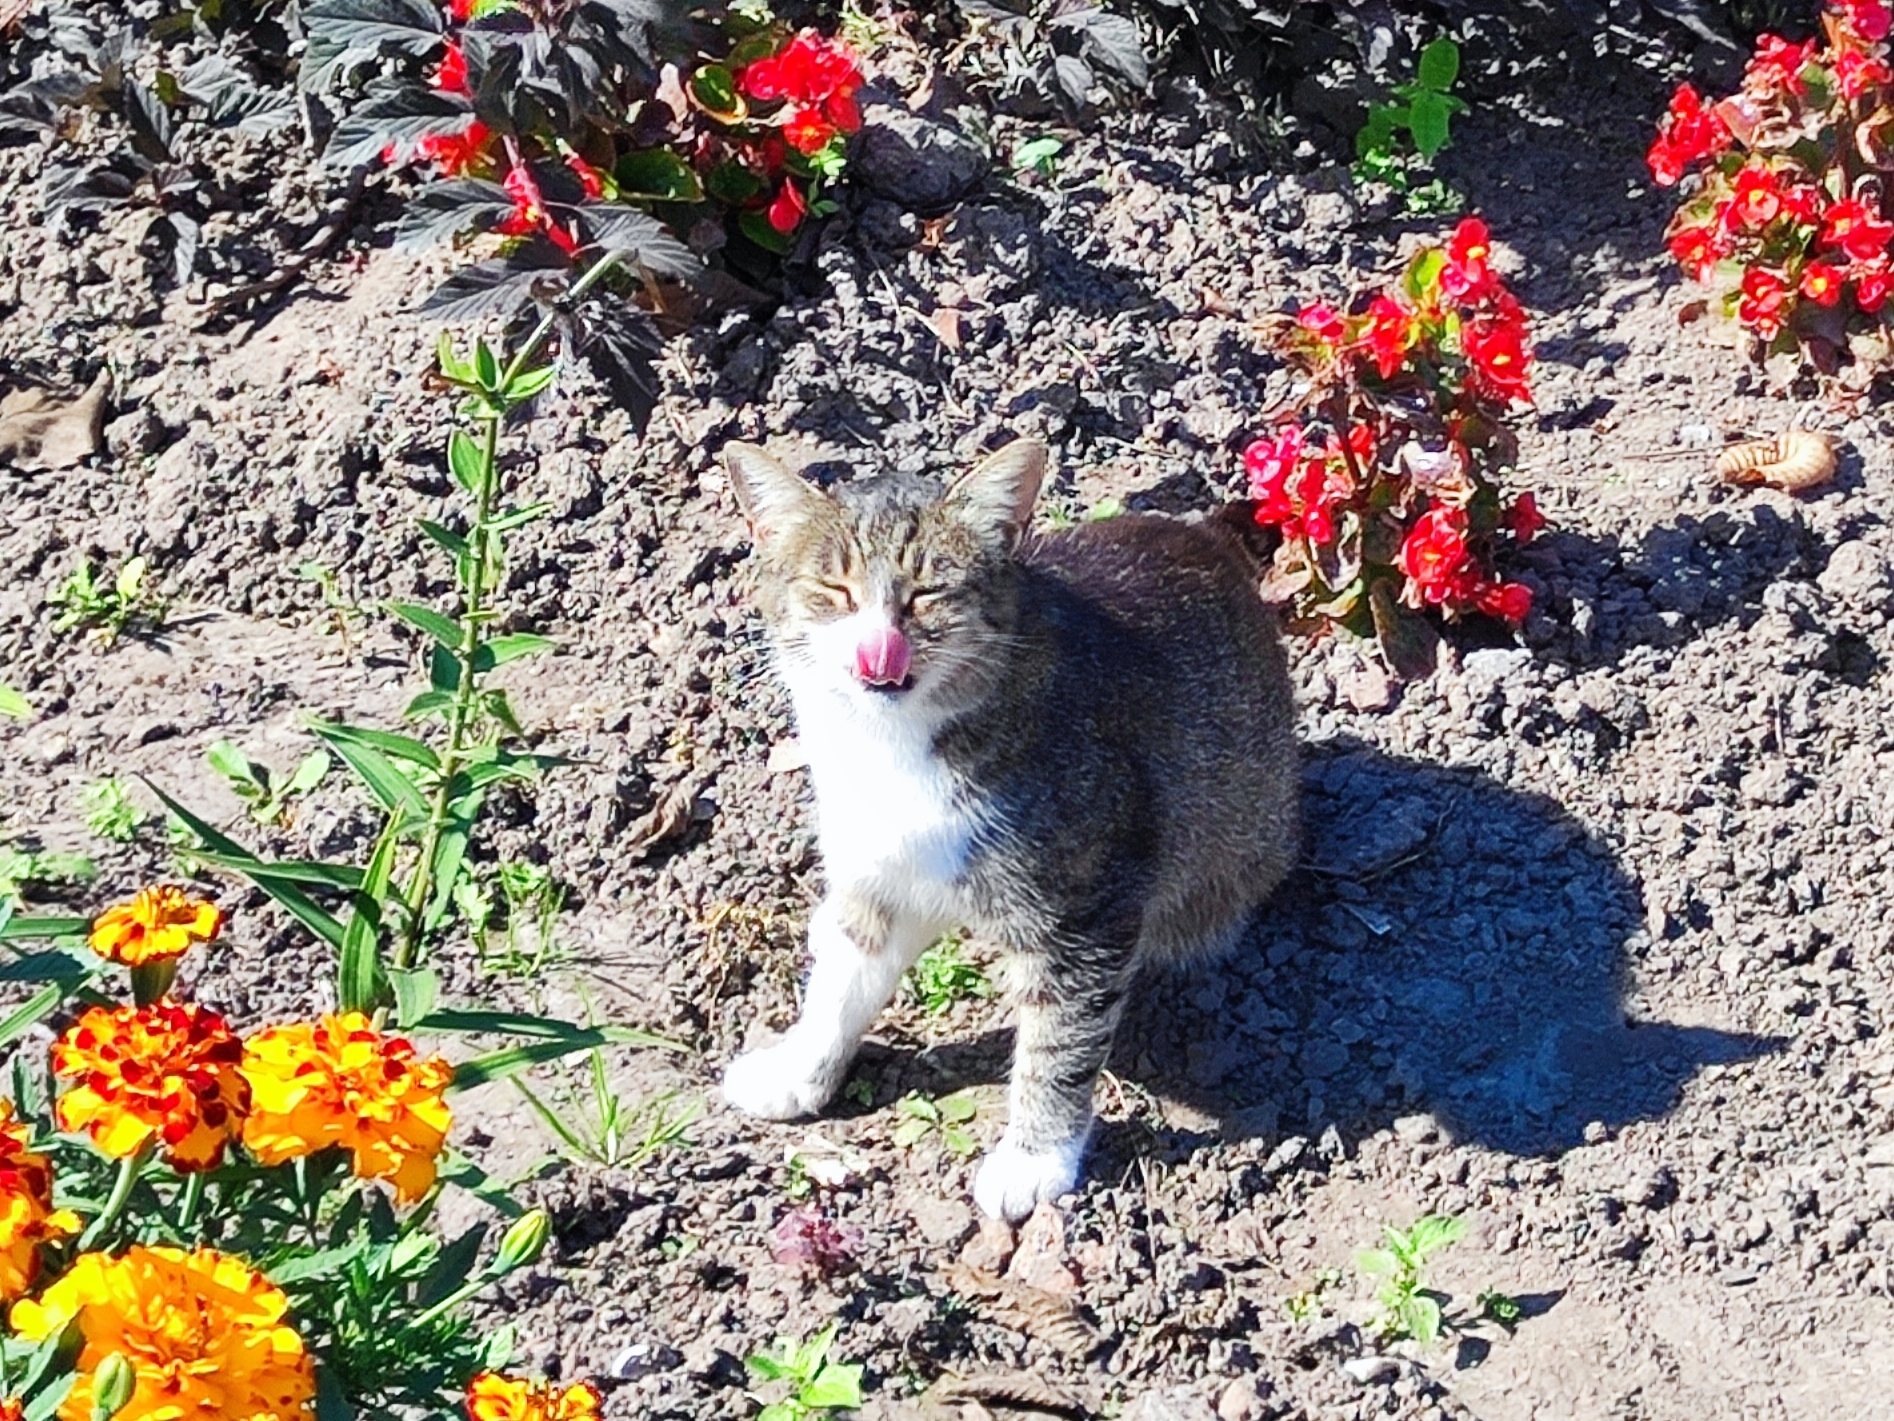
pixel 997 493
pixel 774 498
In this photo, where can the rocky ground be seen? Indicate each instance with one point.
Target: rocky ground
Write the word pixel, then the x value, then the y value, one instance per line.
pixel 1592 943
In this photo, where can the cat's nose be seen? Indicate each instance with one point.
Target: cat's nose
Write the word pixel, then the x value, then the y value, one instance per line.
pixel 882 657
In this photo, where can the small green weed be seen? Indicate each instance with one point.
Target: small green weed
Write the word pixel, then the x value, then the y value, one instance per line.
pixel 948 1117
pixel 1408 1310
pixel 817 1386
pixel 20 867
pixel 345 616
pixel 86 603
pixel 533 900
pixel 942 976
pixel 1306 1306
pixel 596 1127
pixel 257 785
pixel 1037 155
pixel 109 812
pixel 1400 136
pixel 13 704
pixel 1502 1308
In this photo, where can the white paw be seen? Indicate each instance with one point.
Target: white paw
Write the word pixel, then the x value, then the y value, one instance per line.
pixel 780 1082
pixel 1012 1180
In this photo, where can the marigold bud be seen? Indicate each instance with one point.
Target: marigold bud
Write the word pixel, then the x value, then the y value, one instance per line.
pixel 524 1242
pixel 112 1386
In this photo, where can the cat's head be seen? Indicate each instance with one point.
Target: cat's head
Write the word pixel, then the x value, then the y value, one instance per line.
pixel 887 590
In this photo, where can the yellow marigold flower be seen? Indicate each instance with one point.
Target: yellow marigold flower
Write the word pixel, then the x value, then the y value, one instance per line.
pixel 164 1071
pixel 159 923
pixel 492 1397
pixel 341 1082
pixel 27 1215
pixel 204 1334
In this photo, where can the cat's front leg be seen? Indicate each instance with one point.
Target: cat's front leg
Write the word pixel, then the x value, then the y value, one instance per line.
pixel 1065 1029
pixel 860 950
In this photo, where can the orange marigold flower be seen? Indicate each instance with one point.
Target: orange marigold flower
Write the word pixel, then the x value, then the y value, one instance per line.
pixel 164 1071
pixel 204 1335
pixel 492 1397
pixel 158 924
pixel 339 1082
pixel 27 1216
pixel 12 1408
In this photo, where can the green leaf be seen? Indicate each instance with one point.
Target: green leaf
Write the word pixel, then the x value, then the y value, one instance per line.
pixel 297 903
pixel 230 762
pixel 466 462
pixel 14 704
pixel 657 175
pixel 958 1108
pixel 1428 123
pixel 450 851
pixel 39 1005
pixel 443 670
pixel 308 774
pixel 732 184
pixel 518 518
pixel 1377 134
pixel 416 990
pixel 130 580
pixel 65 968
pixel 767 1368
pixel 838 1385
pixel 429 703
pixel 1420 1319
pixel 448 539
pixel 341 876
pixel 910 1133
pixel 506 1023
pixel 510 647
pixel 324 1263
pixel 463 1173
pixel 443 629
pixel 1440 64
pixel 27 929
pixel 359 976
pixel 401 747
pixel 1375 1262
pixel 715 88
pixel 498 1065
pixel 496 704
pixel 528 383
pixel 392 789
pixel 755 226
pixel 486 368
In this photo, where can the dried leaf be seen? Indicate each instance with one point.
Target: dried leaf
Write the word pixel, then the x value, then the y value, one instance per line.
pixel 1039 1261
pixel 38 431
pixel 945 323
pixel 1408 642
pixel 668 819
pixel 1051 1318
pixel 1692 311
pixel 1010 1389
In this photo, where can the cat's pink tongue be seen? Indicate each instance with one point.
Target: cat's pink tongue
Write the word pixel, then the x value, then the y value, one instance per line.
pixel 882 657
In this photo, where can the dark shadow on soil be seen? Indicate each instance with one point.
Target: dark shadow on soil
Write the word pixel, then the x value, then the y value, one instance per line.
pixel 1454 946
pixel 1451 946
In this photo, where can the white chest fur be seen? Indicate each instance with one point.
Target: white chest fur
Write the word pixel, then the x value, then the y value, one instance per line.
pixel 886 814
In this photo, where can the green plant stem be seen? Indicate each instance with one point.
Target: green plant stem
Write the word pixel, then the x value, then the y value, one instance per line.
pixel 193 1198
pixel 453 1300
pixel 129 1169
pixel 473 632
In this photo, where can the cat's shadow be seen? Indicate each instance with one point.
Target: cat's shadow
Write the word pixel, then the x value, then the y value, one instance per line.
pixel 1453 946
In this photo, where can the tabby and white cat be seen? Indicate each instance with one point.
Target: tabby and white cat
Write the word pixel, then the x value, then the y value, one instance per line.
pixel 1078 744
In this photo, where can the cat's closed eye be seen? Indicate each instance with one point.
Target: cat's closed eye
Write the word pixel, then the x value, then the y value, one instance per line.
pixel 923 600
pixel 822 594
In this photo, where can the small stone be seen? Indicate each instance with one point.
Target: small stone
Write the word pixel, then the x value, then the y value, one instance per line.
pixel 942 1221
pixel 1170 1404
pixel 642 1359
pixel 786 755
pixel 1597 1132
pixel 1417 1129
pixel 1240 1401
pixel 1856 572
pixel 915 162
pixel 1373 1371
pixel 1368 688
pixel 1285 1155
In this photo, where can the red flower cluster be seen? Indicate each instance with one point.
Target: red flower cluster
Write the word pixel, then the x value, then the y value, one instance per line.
pixel 770 152
pixel 815 81
pixel 1775 203
pixel 1393 499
